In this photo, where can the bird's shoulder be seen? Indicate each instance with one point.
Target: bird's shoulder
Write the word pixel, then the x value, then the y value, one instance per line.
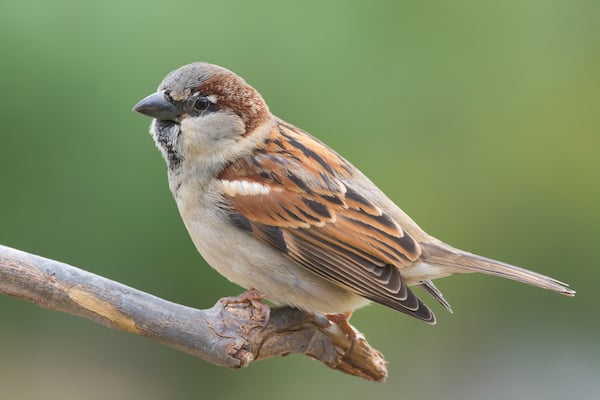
pixel 293 181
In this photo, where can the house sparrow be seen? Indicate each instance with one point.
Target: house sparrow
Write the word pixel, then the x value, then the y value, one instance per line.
pixel 275 210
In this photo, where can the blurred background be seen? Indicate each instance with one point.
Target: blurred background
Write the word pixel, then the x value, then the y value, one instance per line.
pixel 479 118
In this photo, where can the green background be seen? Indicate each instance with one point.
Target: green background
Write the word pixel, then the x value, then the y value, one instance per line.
pixel 481 119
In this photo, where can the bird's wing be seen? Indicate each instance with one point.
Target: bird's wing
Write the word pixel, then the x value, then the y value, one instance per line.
pixel 296 194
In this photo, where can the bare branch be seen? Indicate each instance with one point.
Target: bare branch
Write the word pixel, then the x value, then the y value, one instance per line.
pixel 225 335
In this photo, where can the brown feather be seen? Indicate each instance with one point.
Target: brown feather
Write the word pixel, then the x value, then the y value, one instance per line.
pixel 313 216
pixel 438 253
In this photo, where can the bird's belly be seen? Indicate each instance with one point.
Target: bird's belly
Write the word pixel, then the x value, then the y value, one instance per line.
pixel 246 261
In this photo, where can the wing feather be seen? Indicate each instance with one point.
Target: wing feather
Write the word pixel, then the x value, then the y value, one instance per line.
pixel 295 194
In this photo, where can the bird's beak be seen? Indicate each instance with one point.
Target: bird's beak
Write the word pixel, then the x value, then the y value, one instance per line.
pixel 157 106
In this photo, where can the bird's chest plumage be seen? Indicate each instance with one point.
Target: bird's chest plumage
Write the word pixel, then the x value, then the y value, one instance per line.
pixel 198 203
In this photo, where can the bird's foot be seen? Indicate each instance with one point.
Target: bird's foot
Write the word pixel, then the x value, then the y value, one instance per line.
pixel 254 298
pixel 341 320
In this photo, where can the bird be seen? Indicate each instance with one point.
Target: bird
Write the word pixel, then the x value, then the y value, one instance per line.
pixel 278 212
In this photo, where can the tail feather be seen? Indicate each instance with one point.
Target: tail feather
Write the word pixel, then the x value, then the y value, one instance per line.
pixel 436 293
pixel 438 253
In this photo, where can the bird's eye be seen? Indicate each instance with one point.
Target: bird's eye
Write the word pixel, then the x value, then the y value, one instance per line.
pixel 201 103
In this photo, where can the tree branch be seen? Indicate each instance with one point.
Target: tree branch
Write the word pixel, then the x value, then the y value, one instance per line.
pixel 227 335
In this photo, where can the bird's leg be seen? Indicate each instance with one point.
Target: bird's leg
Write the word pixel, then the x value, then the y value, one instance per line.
pixel 341 320
pixel 254 298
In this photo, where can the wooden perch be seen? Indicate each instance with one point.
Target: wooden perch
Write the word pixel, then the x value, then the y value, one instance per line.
pixel 225 335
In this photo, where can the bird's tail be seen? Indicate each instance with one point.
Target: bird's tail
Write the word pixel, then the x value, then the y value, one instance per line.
pixel 439 253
